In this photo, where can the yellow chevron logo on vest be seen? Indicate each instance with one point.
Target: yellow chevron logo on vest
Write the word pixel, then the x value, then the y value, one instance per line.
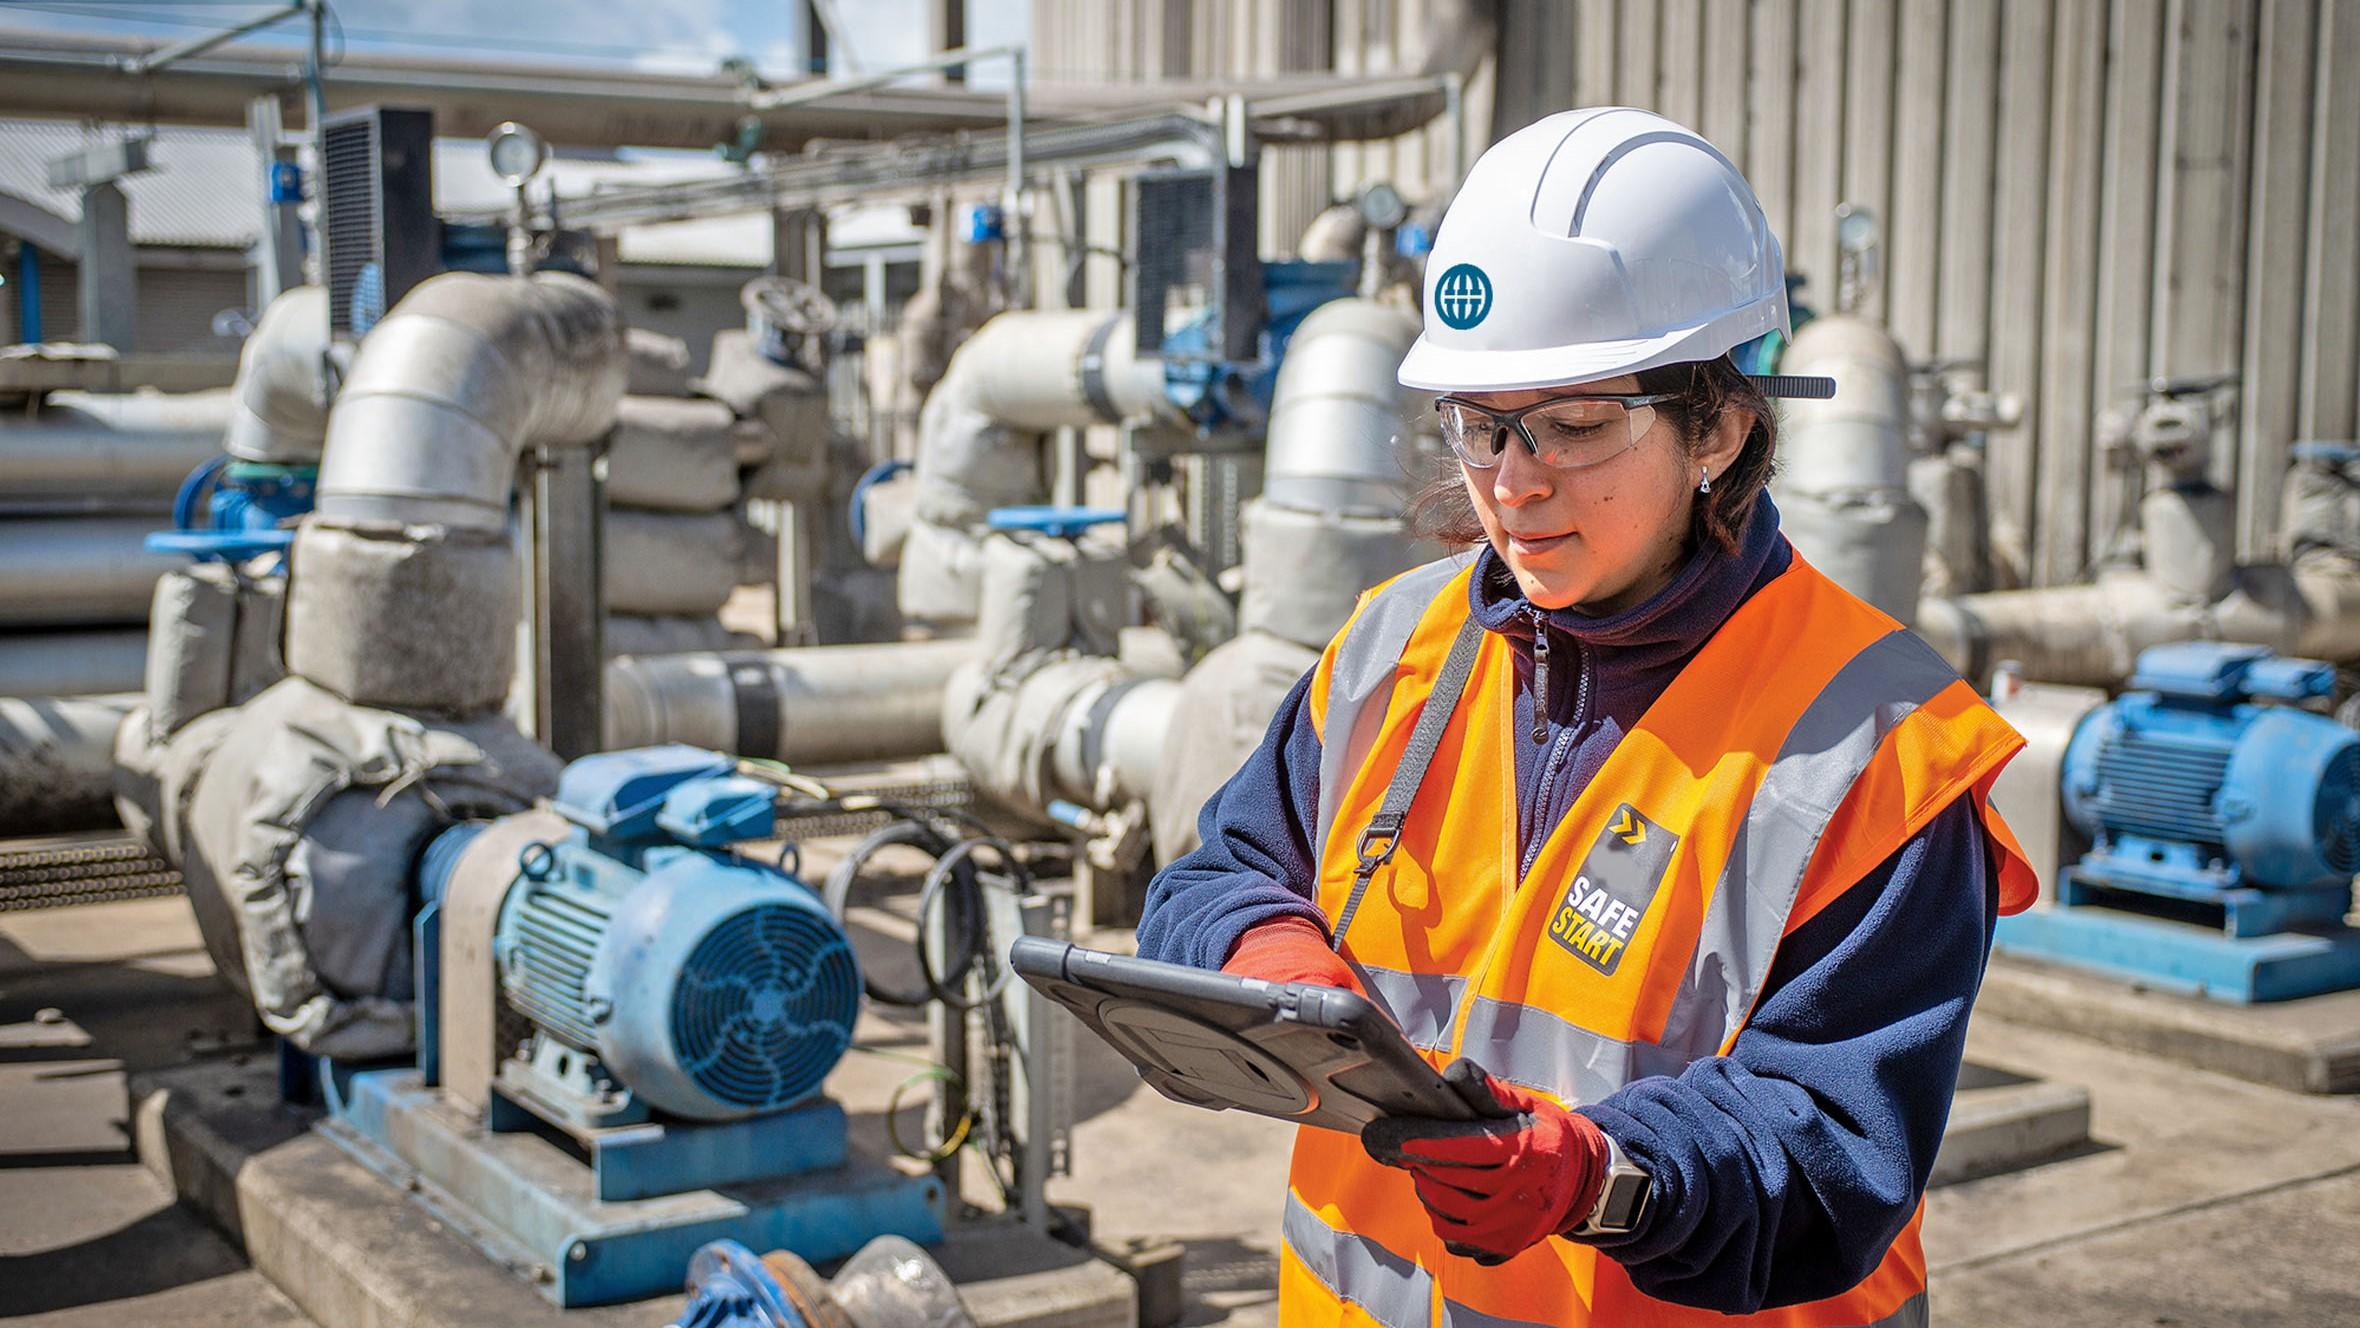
pixel 1613 890
pixel 1628 828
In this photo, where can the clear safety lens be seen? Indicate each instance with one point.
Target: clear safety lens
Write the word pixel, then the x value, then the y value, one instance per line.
pixel 1565 434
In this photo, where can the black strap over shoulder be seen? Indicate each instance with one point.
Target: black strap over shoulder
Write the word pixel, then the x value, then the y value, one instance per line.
pixel 1384 829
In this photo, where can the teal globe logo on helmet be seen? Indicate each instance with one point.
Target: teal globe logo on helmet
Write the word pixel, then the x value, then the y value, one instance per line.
pixel 1462 297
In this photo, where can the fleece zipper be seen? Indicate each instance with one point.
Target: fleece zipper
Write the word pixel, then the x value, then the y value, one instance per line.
pixel 1535 835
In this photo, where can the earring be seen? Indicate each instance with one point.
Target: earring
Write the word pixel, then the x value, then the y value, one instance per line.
pixel 1704 480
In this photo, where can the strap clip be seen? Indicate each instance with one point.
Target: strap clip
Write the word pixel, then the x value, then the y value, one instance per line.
pixel 1377 844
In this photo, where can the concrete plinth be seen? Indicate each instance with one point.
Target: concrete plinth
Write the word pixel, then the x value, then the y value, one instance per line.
pixel 2310 1045
pixel 2005 1122
pixel 350 1247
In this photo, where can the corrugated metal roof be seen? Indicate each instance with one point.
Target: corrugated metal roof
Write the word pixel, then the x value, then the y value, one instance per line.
pixel 205 190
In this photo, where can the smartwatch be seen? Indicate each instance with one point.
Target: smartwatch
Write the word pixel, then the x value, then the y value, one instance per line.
pixel 1622 1200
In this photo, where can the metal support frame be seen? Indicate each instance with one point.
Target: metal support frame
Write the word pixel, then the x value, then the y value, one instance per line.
pixel 566 504
pixel 1023 1108
pixel 278 251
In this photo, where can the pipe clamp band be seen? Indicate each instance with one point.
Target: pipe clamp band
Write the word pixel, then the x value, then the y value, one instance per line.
pixel 756 696
pixel 1093 369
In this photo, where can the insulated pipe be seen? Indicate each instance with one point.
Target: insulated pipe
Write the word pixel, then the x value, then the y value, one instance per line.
pixel 1339 421
pixel 1343 438
pixel 121 452
pixel 57 763
pixel 1843 485
pixel 448 391
pixel 2093 634
pixel 403 588
pixel 73 663
pixel 69 571
pixel 280 399
pixel 1021 375
pixel 979 437
pixel 814 704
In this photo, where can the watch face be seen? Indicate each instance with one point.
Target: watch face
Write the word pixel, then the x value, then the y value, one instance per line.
pixel 1626 1199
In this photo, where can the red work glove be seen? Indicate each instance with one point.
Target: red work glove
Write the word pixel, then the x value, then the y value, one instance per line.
pixel 1291 949
pixel 1523 1170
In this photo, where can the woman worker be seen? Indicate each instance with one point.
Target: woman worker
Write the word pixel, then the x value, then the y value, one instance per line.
pixel 1674 853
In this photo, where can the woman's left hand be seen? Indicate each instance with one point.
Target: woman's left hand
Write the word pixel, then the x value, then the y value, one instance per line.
pixel 1523 1170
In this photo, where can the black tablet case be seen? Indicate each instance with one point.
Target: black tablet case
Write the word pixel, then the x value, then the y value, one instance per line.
pixel 1309 1054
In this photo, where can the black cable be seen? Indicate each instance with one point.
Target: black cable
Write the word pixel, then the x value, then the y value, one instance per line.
pixel 926 838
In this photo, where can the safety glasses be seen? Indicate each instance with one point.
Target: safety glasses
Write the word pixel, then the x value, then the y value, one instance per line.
pixel 1566 433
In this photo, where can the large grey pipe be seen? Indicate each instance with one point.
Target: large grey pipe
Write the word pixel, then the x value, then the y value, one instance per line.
pixel 110 659
pixel 2092 634
pixel 403 589
pixel 449 390
pixel 78 571
pixel 1843 483
pixel 281 395
pixel 815 704
pixel 57 763
pixel 1343 444
pixel 121 453
pixel 979 436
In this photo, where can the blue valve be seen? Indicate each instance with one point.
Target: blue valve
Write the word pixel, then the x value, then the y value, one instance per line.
pixel 1062 522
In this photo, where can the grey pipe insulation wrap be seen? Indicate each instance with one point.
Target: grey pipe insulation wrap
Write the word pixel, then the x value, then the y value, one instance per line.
pixel 459 378
pixel 403 589
pixel 280 400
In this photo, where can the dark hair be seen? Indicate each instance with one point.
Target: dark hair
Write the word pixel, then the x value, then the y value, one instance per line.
pixel 1706 390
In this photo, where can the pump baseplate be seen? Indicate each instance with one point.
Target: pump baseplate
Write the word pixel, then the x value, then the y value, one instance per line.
pixel 529 1201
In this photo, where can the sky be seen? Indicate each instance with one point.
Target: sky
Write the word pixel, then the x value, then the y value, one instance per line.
pixel 675 36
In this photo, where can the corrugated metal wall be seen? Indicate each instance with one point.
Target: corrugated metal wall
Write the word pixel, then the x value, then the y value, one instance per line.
pixel 1092 41
pixel 2077 193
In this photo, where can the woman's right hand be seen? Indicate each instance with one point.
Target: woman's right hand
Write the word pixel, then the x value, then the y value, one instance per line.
pixel 1291 949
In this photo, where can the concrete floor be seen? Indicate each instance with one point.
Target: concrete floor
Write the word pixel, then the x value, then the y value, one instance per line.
pixel 2204 1200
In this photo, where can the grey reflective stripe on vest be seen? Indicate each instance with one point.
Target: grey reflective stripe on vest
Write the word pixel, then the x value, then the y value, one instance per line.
pixel 1391 1289
pixel 1363 671
pixel 1821 758
pixel 1423 1004
pixel 1911 1313
pixel 1530 1046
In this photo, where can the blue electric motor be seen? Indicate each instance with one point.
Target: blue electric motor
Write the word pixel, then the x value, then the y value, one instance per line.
pixel 708 986
pixel 2205 784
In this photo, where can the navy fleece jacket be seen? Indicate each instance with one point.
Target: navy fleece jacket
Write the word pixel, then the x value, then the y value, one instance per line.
pixel 1784 1169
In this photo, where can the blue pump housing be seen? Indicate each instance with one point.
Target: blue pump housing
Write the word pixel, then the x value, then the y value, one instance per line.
pixel 709 986
pixel 2202 780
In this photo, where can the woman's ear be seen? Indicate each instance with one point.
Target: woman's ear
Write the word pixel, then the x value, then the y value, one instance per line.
pixel 1720 448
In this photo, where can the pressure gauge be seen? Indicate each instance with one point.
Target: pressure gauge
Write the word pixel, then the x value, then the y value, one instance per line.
pixel 1382 206
pixel 516 153
pixel 1856 228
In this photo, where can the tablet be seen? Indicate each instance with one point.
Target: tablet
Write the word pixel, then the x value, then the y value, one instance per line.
pixel 1297 1052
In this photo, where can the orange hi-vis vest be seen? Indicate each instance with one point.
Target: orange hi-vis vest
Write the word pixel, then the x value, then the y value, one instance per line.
pixel 1804 744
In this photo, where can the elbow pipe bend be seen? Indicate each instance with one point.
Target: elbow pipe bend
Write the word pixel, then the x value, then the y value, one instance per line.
pixel 463 375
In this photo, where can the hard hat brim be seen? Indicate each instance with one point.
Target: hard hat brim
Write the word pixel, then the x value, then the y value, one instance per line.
pixel 1437 368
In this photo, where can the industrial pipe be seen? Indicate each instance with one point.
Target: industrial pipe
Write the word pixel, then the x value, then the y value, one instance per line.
pixel 280 400
pixel 125 452
pixel 813 705
pixel 403 589
pixel 979 447
pixel 1843 484
pixel 57 763
pixel 452 386
pixel 2092 634
pixel 71 571
pixel 73 663
pixel 1343 440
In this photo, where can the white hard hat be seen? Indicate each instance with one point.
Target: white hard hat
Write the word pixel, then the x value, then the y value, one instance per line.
pixel 1595 243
